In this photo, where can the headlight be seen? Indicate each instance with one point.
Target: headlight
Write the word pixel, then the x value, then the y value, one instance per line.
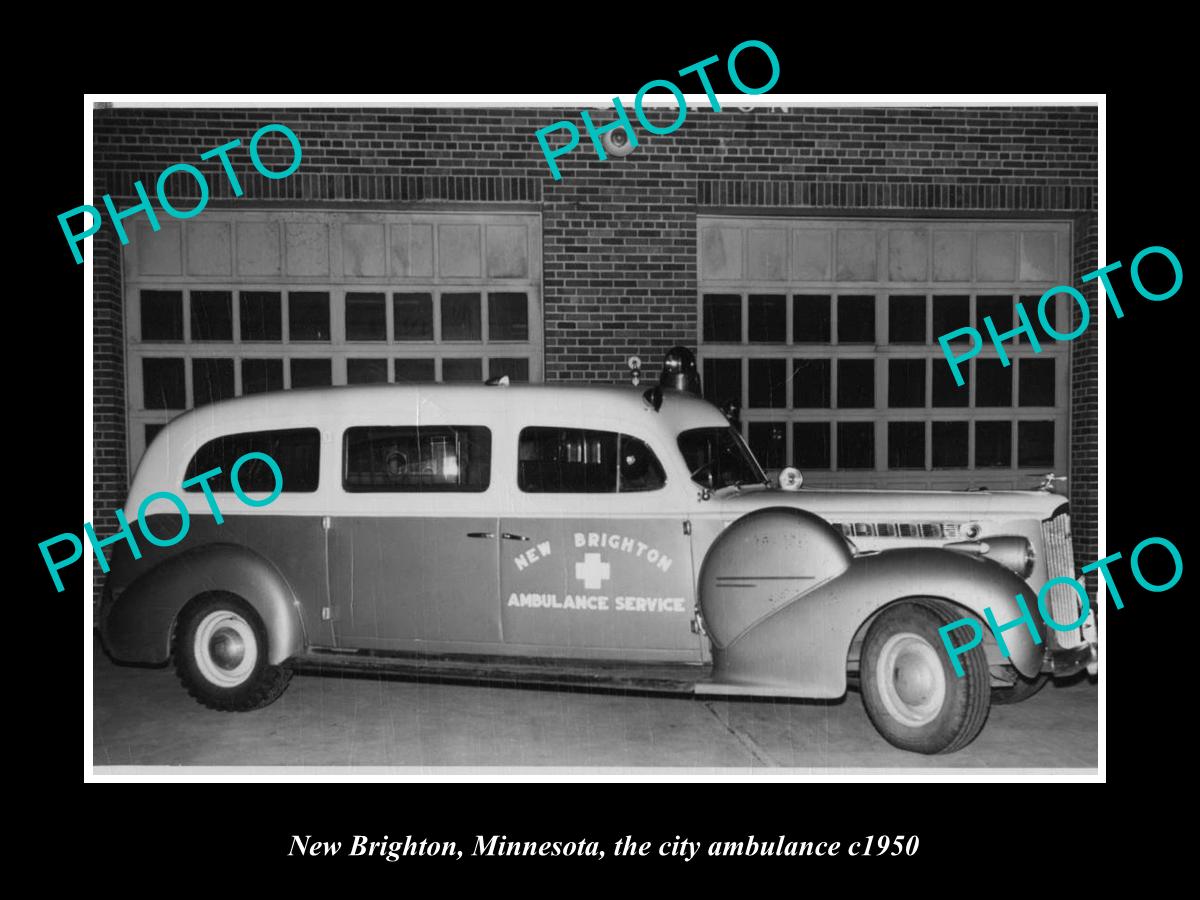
pixel 1013 552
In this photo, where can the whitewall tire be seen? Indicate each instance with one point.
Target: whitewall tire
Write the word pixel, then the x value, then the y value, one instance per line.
pixel 221 655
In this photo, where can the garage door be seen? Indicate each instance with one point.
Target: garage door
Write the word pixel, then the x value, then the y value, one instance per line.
pixel 825 332
pixel 236 303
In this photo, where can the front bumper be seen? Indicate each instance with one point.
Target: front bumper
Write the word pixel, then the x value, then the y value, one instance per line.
pixel 1061 662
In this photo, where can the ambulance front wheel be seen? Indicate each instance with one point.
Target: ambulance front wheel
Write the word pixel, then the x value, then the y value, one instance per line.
pixel 911 691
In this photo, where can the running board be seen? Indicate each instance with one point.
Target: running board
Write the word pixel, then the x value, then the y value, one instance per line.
pixel 658 678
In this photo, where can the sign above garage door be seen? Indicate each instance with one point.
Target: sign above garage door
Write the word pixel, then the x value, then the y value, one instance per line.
pixel 825 331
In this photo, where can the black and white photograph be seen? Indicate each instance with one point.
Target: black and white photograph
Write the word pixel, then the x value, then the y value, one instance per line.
pixel 707 432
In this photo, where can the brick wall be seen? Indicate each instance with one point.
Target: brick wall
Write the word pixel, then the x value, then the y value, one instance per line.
pixel 619 252
pixel 1084 482
pixel 109 483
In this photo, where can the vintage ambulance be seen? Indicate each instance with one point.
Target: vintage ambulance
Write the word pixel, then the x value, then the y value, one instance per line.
pixel 619 536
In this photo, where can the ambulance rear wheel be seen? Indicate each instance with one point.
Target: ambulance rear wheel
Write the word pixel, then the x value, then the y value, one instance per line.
pixel 220 655
pixel 910 689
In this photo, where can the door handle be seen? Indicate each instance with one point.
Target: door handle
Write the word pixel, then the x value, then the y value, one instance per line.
pixel 508 536
pixel 481 534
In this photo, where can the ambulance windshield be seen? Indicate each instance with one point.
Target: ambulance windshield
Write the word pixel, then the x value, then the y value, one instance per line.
pixel 718 458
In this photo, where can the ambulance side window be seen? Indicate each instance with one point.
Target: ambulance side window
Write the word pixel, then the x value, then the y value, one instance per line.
pixel 297 452
pixel 639 468
pixel 421 459
pixel 584 461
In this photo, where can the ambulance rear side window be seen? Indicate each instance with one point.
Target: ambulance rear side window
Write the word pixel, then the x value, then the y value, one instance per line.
pixel 407 458
pixel 583 461
pixel 297 452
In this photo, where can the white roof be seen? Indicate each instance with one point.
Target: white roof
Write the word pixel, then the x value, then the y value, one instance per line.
pixel 503 408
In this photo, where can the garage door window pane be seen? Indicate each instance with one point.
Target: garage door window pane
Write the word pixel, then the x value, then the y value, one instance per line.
pixel 366 317
pixel 767 383
pixel 260 315
pixel 163 384
pixel 212 315
pixel 810 384
pixel 1000 308
pixel 311 373
pixel 262 375
pixel 723 381
pixel 811 319
pixel 413 370
pixel 768 318
pixel 723 318
pixel 906 382
pixel 945 391
pixel 462 370
pixel 906 320
pixel 460 317
pixel 212 380
pixel 810 445
pixel 1036 382
pixel 296 451
pixel 856 383
pixel 308 315
pixel 993 383
pixel 950 445
pixel 856 320
pixel 856 445
pixel 951 313
pixel 906 445
pixel 993 444
pixel 1062 312
pixel 413 316
pixel 768 443
pixel 508 317
pixel 366 371
pixel 162 315
pixel 517 370
pixel 1035 444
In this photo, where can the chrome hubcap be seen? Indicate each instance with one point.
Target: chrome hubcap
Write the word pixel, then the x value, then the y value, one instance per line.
pixel 910 679
pixel 225 648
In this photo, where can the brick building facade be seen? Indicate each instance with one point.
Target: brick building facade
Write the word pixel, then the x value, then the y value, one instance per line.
pixel 839 242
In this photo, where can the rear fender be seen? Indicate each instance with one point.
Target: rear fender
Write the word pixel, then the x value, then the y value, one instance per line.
pixel 137 626
pixel 802 648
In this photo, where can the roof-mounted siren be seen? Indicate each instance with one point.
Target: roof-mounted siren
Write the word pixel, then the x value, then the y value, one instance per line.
pixel 679 371
pixel 678 374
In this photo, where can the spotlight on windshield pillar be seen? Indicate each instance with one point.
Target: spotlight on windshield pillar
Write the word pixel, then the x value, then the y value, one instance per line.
pixel 732 410
pixel 679 371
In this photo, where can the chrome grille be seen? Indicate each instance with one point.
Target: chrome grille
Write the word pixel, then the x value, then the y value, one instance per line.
pixel 1060 563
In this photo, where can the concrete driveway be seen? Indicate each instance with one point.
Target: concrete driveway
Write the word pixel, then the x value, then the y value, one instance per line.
pixel 144 717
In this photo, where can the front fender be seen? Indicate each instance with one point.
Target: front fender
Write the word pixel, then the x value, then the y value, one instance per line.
pixel 801 648
pixel 136 626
